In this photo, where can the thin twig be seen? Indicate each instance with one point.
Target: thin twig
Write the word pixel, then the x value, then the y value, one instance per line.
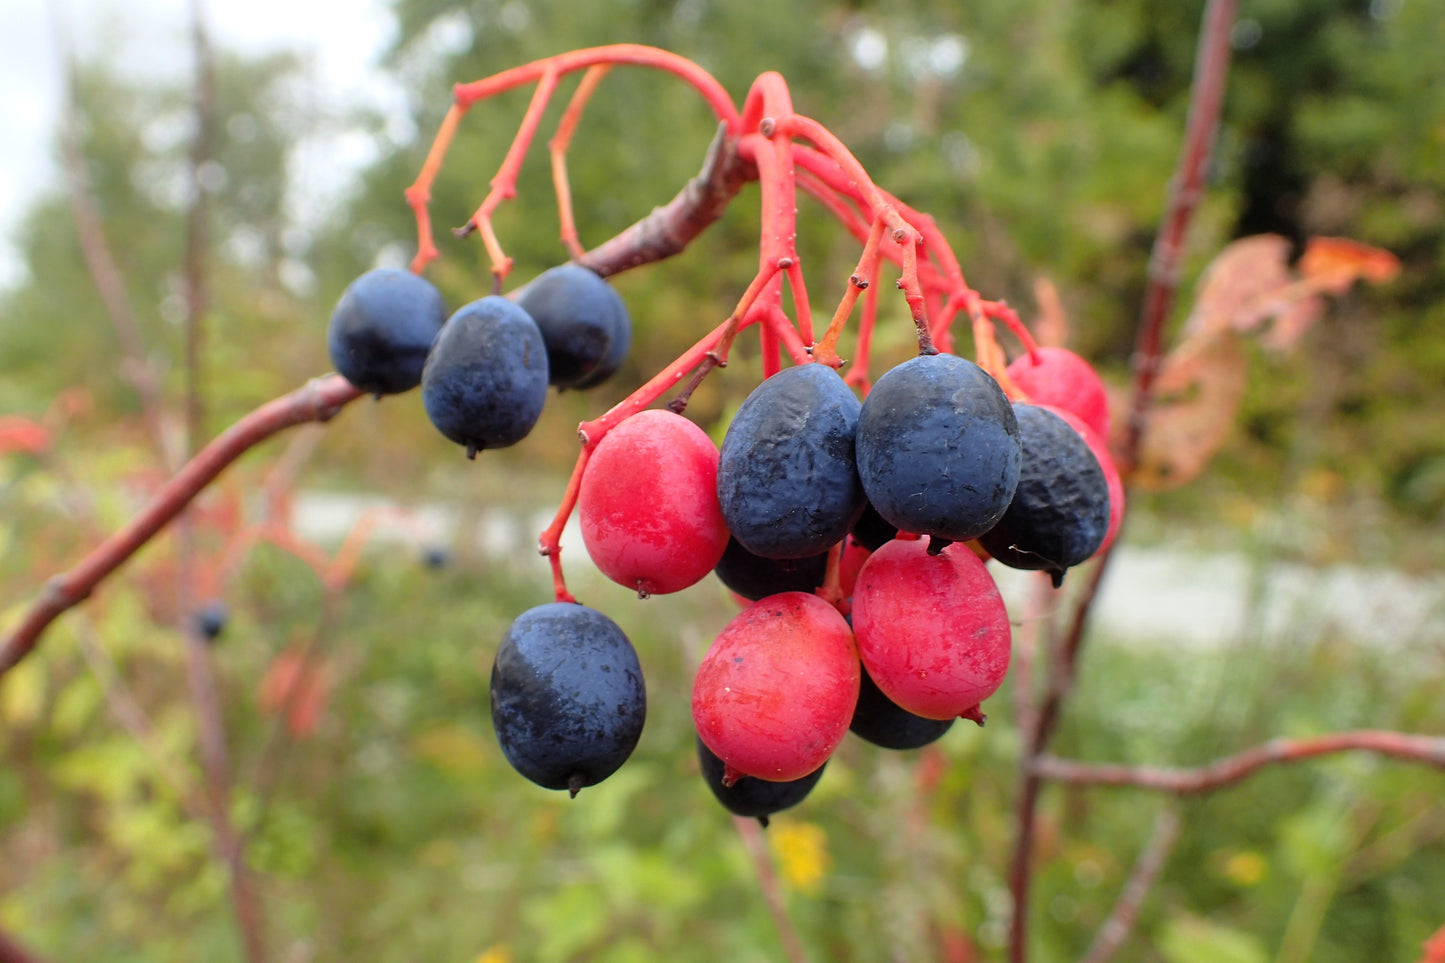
pixel 318 400
pixel 1206 97
pixel 1188 781
pixel 752 833
pixel 1120 922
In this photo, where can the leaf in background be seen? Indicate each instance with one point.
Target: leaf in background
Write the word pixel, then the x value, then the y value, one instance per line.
pixel 1197 398
pixel 1335 263
pixel 1241 286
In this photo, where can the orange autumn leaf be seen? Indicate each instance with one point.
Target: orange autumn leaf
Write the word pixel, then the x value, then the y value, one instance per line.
pixel 1197 399
pixel 1335 263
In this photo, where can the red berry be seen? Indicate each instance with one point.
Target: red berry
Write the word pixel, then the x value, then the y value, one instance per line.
pixel 932 629
pixel 1062 379
pixel 648 504
pixel 775 693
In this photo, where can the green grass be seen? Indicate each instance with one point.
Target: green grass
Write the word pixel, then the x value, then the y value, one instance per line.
pixel 397 831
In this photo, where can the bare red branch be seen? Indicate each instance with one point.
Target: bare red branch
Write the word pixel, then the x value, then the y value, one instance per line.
pixel 1224 772
pixel 319 400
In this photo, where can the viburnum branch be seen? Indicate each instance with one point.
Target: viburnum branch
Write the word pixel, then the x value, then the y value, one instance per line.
pixel 1226 771
pixel 464 95
pixel 550 542
pixel 1120 923
pixel 319 400
pixel 418 195
pixel 826 351
pixel 504 184
pixel 1186 189
pixel 557 147
pixel 1206 98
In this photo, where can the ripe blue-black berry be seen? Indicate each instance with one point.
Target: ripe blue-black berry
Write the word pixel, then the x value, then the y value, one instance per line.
pixel 485 380
pixel 787 480
pixel 568 701
pixel 938 448
pixel 382 328
pixel 1060 511
pixel 583 322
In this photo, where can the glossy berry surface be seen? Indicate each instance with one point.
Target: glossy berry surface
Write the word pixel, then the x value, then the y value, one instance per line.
pixel 382 328
pixel 1060 511
pixel 583 323
pixel 648 504
pixel 932 629
pixel 787 477
pixel 568 701
pixel 938 448
pixel 1060 378
pixel 749 797
pixel 775 692
pixel 881 721
pixel 485 381
pixel 754 577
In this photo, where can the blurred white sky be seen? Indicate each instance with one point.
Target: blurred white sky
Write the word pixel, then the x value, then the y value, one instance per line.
pixel 342 38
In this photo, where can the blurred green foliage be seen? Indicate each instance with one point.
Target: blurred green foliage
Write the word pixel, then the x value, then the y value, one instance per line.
pixel 1041 135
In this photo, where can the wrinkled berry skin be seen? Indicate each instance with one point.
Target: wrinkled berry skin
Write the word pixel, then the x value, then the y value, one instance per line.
pixel 568 700
pixel 485 380
pixel 881 721
pixel 1060 512
pixel 382 328
pixel 583 323
pixel 755 577
pixel 938 448
pixel 750 797
pixel 787 479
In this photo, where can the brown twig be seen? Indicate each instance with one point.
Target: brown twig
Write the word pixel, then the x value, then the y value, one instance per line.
pixel 1120 922
pixel 1206 99
pixel 319 400
pixel 1188 781
pixel 752 833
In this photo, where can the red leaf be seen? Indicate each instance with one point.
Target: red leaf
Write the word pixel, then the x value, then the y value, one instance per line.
pixel 1335 263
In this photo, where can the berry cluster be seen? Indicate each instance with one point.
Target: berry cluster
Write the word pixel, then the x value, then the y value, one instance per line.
pixel 852 521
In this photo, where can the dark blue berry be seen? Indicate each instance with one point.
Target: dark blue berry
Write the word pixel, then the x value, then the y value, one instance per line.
pixel 883 722
pixel 755 577
pixel 584 324
pixel 787 481
pixel 1060 511
pixel 568 700
pixel 938 448
pixel 750 797
pixel 211 619
pixel 485 380
pixel 382 328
